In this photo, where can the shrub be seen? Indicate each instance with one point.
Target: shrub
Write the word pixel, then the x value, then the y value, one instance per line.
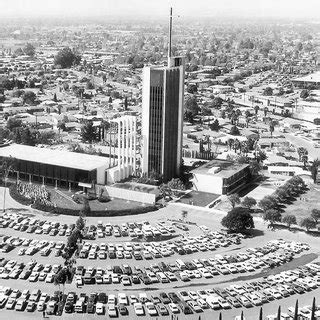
pixel 94 213
pixel 18 197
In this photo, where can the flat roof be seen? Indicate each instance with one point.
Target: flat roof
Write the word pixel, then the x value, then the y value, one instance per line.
pixel 59 158
pixel 227 168
pixel 313 77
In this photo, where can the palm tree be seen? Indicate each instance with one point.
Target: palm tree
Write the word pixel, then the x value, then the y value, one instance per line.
pixel 295 316
pixel 313 310
pixel 261 314
pixel 279 313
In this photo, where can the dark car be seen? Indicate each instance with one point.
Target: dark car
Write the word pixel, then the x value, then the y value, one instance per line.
pixel 123 310
pixel 68 308
pixel 163 311
pixel 164 298
pixel 173 297
pixel 91 307
pixel 102 297
pixel 31 306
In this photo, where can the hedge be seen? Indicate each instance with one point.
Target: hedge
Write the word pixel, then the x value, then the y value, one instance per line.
pixel 18 197
pixel 94 213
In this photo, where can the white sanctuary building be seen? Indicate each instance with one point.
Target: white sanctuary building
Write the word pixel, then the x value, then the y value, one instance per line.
pixel 125 163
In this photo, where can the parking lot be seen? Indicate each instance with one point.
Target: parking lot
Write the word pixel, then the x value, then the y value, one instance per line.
pixel 210 261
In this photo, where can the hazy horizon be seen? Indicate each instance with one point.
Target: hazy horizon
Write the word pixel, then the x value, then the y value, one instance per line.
pixel 150 8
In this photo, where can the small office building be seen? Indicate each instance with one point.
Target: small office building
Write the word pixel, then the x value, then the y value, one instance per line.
pixel 220 176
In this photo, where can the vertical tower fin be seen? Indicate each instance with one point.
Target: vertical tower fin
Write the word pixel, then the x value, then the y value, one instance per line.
pixel 170 35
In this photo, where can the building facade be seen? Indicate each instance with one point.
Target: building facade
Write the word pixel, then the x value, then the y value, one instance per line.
pixel 220 177
pixel 162 118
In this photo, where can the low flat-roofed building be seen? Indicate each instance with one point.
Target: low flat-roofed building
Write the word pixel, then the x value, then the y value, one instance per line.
pixel 220 176
pixel 271 142
pixel 56 167
pixel 305 81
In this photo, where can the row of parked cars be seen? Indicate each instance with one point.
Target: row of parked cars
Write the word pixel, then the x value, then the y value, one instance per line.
pixel 274 253
pixel 31 246
pixel 127 250
pixel 256 293
pixel 101 230
pixel 32 271
pixel 151 250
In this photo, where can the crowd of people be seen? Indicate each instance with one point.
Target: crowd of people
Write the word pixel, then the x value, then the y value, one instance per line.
pixel 34 192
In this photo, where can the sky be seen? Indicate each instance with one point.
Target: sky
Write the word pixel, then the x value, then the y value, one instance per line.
pixel 156 8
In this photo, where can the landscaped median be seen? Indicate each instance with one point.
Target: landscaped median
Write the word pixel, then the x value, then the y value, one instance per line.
pixel 47 206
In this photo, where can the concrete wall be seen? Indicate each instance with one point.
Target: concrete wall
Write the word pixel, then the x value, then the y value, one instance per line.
pixel 131 195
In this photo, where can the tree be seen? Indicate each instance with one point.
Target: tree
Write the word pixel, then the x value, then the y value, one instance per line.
pixel 88 132
pixel 268 91
pixel 249 202
pixel 265 111
pixel 29 50
pixel 6 167
pixel 125 104
pixel 234 199
pixel 271 128
pixel 313 310
pixel 238 219
pixel 192 88
pixel 217 102
pixel 66 58
pixel 267 203
pixel 234 131
pixel 304 94
pixel 296 311
pixel 85 210
pixel 315 215
pixel 308 223
pixel 215 126
pixel 272 216
pixel 29 97
pixel 313 169
pixel 256 109
pixel 61 277
pixel 184 214
pixel 261 314
pixel 80 223
pixel 191 108
pixel 279 313
pixel 176 184
pixel 13 123
pixel 289 220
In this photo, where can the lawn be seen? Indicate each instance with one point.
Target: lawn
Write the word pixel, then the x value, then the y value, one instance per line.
pixel 303 205
pixel 200 199
pixel 114 204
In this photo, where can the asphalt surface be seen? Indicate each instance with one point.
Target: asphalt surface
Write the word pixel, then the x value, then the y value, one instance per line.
pixel 210 219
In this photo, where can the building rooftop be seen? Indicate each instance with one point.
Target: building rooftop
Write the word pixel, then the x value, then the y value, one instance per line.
pixel 220 168
pixel 60 158
pixel 313 77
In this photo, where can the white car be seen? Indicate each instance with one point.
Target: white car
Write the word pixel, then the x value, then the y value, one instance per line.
pixel 138 309
pixel 22 251
pixel 173 307
pixel 151 309
pixel 112 310
pixel 99 308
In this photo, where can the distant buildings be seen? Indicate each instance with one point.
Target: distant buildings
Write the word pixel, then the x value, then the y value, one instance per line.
pixel 162 118
pixel 220 176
